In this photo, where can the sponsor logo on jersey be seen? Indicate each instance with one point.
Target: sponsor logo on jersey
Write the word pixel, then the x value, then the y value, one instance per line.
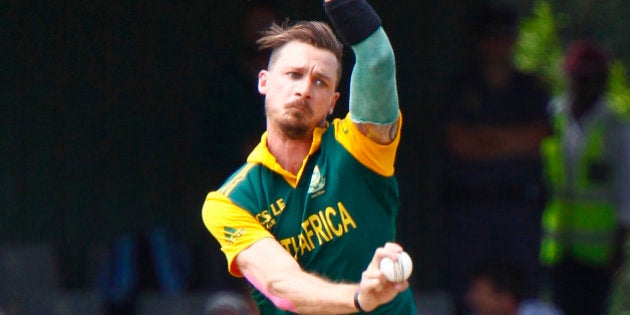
pixel 317 184
pixel 267 216
pixel 232 234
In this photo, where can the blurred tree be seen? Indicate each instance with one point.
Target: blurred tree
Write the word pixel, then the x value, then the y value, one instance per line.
pixel 539 50
pixel 619 92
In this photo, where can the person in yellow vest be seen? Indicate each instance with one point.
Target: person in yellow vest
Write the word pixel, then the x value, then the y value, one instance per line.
pixel 587 165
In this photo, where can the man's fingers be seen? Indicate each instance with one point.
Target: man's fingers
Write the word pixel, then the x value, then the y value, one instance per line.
pixel 374 287
pixel 393 249
pixel 390 250
pixel 401 286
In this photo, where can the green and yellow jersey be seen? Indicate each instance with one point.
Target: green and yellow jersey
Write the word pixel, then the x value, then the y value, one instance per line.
pixel 330 217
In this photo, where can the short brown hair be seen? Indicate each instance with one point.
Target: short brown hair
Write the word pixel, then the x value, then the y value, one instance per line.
pixel 314 33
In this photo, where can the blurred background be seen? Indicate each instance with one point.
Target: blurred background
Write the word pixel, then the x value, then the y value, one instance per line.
pixel 117 118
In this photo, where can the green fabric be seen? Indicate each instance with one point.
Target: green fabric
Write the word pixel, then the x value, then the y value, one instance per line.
pixel 373 96
pixel 340 212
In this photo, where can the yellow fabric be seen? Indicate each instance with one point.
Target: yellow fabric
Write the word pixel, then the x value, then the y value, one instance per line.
pixel 377 157
pixel 234 228
pixel 552 248
pixel 261 155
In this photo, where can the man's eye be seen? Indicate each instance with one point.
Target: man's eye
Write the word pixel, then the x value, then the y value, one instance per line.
pixel 294 75
pixel 320 83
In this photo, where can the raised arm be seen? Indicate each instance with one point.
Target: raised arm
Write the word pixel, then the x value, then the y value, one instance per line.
pixel 373 95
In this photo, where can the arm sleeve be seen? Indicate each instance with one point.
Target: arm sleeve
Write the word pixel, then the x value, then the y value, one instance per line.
pixel 233 227
pixel 373 94
pixel 379 158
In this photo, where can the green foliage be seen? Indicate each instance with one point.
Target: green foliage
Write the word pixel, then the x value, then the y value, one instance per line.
pixel 618 91
pixel 538 49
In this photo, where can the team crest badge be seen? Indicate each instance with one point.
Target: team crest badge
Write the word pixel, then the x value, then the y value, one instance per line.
pixel 317 182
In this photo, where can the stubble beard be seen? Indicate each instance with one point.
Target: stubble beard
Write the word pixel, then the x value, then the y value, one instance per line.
pixel 294 122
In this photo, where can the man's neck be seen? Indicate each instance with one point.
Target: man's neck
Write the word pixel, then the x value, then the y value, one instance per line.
pixel 289 153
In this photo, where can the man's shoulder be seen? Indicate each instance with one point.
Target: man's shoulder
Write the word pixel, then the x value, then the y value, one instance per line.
pixel 377 157
pixel 241 180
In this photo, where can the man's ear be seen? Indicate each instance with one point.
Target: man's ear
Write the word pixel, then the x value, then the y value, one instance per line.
pixel 333 103
pixel 262 81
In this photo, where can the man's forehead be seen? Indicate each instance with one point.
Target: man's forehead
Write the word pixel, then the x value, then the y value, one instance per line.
pixel 299 52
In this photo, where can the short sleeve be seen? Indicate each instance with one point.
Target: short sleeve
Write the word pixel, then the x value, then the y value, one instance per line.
pixel 379 158
pixel 233 227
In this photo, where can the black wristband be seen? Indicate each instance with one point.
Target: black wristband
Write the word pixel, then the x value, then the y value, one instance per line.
pixel 356 302
pixel 354 20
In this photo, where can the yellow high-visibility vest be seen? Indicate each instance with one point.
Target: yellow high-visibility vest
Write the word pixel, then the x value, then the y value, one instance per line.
pixel 579 219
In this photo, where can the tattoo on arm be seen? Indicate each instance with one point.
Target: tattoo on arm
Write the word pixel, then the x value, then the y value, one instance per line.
pixel 381 134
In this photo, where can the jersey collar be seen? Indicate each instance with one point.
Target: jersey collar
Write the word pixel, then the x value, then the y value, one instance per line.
pixel 262 155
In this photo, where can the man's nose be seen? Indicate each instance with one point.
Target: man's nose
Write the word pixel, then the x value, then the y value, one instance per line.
pixel 303 88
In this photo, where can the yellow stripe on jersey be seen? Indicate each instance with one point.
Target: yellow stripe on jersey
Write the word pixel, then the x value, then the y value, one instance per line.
pixel 377 157
pixel 234 228
pixel 227 188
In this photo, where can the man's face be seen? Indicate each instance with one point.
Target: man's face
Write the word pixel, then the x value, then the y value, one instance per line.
pixel 299 88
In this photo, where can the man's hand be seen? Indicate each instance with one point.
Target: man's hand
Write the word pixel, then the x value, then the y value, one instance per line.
pixel 374 288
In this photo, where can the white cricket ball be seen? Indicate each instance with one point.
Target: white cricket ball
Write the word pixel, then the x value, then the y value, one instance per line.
pixel 397 271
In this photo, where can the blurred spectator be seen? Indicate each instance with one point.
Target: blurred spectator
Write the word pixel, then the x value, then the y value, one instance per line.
pixel 498 287
pixel 155 259
pixel 588 169
pixel 493 118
